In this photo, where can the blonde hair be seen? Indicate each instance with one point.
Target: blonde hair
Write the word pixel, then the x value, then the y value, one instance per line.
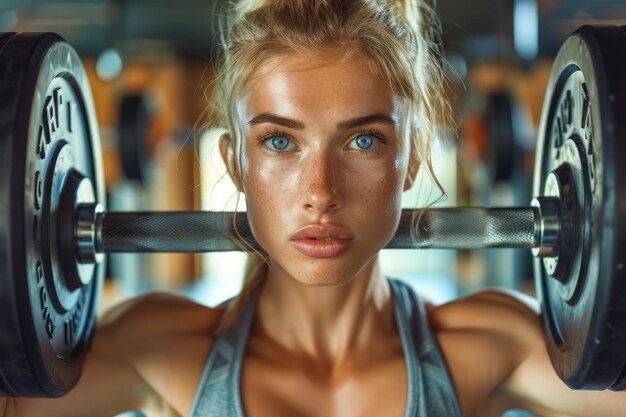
pixel 398 39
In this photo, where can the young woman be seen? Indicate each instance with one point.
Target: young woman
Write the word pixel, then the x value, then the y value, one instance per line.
pixel 330 108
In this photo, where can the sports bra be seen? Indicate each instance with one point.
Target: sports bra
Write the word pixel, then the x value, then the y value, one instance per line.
pixel 431 391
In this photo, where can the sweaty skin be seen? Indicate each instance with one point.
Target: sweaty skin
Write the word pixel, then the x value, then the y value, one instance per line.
pixel 324 341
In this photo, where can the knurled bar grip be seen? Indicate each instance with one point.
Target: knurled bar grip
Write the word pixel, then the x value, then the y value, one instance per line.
pixel 203 231
pixel 176 231
pixel 472 228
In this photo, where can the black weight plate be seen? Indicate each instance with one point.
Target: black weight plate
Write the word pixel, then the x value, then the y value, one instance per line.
pixel 5 37
pixel 504 147
pixel 583 130
pixel 47 126
pixel 134 126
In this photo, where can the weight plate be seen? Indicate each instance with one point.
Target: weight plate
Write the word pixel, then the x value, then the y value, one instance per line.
pixel 134 128
pixel 581 139
pixel 5 37
pixel 505 152
pixel 48 132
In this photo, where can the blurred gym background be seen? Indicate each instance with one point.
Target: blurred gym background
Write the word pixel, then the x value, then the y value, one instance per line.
pixel 150 65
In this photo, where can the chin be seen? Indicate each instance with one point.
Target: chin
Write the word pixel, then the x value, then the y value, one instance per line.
pixel 324 272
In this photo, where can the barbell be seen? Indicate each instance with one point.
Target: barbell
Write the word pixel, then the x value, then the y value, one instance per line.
pixel 54 227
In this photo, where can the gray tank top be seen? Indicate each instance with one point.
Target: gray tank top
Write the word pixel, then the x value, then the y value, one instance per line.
pixel 430 391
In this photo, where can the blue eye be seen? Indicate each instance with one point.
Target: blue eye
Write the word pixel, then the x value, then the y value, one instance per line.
pixel 279 143
pixel 364 141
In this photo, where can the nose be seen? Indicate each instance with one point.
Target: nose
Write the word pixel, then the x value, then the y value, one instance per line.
pixel 321 180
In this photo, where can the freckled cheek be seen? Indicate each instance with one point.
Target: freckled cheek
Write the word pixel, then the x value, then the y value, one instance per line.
pixel 270 191
pixel 265 182
pixel 381 185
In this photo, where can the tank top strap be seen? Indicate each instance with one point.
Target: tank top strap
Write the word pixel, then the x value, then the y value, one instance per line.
pixel 219 393
pixel 431 390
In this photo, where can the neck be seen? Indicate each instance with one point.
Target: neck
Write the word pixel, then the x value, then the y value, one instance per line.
pixel 327 324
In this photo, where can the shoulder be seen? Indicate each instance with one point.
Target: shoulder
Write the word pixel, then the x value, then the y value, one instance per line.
pixel 484 337
pixel 165 339
pixel 505 320
pixel 145 318
pixel 159 305
pixel 496 310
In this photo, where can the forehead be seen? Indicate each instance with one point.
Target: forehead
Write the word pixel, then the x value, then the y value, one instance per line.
pixel 301 86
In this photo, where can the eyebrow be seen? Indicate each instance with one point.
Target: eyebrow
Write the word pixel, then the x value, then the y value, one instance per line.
pixel 366 120
pixel 269 117
pixel 277 120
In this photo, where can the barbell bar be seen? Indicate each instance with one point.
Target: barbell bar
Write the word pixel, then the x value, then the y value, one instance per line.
pixel 206 231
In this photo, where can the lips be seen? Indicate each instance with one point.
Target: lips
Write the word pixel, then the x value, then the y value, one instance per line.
pixel 322 240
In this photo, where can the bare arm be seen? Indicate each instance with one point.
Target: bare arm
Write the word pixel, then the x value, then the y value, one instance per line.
pixel 106 388
pixel 534 385
pixel 4 404
pixel 108 385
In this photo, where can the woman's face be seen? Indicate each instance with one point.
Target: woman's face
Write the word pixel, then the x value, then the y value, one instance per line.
pixel 324 155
